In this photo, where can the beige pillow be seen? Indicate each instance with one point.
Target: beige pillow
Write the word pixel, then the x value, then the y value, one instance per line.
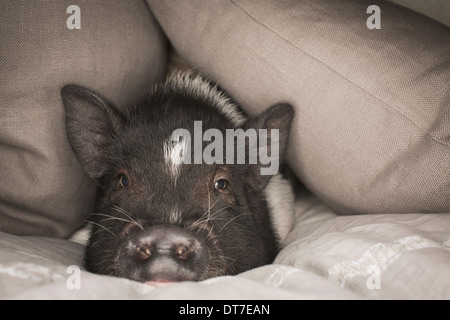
pixel 119 51
pixel 372 127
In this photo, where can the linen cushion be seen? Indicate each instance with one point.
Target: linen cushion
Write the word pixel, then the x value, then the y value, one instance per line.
pixel 119 51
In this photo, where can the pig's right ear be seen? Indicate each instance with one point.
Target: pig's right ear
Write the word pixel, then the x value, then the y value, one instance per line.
pixel 91 123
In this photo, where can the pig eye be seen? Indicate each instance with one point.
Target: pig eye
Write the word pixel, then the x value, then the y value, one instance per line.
pixel 221 184
pixel 124 181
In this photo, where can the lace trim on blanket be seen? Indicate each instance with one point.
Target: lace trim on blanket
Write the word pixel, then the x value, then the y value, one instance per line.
pixel 381 255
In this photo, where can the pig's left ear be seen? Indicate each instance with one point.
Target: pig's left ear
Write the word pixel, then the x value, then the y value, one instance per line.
pixel 276 121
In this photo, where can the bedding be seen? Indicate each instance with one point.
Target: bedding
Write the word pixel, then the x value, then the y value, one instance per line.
pixel 326 256
pixel 372 139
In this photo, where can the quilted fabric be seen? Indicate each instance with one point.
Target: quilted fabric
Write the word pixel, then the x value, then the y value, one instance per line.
pixel 325 256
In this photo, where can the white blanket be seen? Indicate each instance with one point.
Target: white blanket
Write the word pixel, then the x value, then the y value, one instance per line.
pixel 325 257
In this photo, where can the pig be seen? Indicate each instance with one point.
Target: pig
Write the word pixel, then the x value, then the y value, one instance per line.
pixel 158 219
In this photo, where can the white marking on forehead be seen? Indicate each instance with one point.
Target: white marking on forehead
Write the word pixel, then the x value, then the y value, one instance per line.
pixel 174 216
pixel 176 148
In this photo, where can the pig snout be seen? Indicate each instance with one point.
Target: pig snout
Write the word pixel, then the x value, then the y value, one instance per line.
pixel 164 253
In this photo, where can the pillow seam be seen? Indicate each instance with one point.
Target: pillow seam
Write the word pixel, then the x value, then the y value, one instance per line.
pixel 387 105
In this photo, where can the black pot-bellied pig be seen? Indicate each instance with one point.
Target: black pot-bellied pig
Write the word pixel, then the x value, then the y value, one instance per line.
pixel 189 188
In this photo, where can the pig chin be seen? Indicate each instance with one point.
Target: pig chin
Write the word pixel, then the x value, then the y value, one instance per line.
pixel 168 253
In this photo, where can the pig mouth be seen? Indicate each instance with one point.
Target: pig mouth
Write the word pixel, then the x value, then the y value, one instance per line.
pixel 159 283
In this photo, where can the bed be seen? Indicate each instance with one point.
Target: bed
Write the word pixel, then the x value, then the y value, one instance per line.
pixel 370 142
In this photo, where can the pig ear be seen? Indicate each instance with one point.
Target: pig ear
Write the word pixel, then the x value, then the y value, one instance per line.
pixel 91 124
pixel 279 118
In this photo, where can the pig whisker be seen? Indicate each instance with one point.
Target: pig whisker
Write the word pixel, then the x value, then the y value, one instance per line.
pixel 210 234
pixel 215 214
pixel 107 266
pixel 219 266
pixel 231 220
pixel 204 220
pixel 205 217
pixel 129 216
pixel 209 202
pixel 208 212
pixel 109 217
pixel 208 217
pixel 103 227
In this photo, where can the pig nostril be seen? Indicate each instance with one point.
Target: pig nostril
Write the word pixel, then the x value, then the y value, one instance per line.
pixel 183 251
pixel 144 253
